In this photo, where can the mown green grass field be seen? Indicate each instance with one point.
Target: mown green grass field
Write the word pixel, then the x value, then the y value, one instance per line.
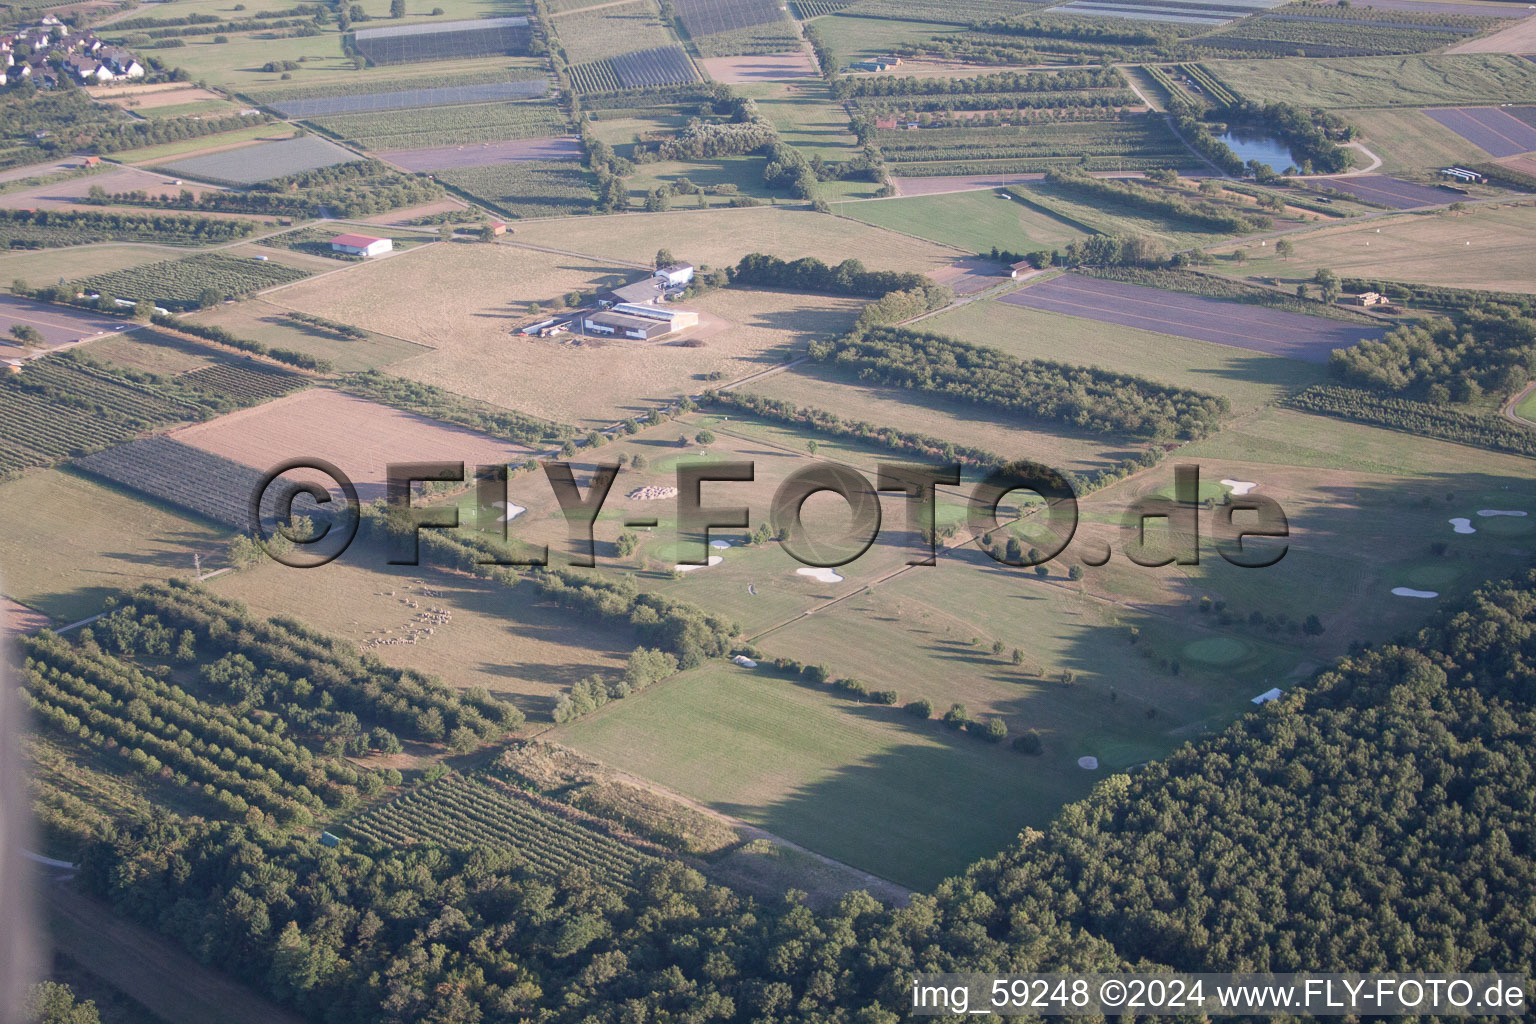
pixel 1363 82
pixel 978 221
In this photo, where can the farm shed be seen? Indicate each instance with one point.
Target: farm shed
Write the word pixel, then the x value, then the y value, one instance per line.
pixel 361 245
pixel 677 275
pixel 640 322
pixel 1020 268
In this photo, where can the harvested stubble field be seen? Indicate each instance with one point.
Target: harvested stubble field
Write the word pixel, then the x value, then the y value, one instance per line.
pixel 1353 82
pixel 742 332
pixel 720 237
pixel 495 637
pixel 1482 247
pixel 360 437
pixel 766 67
pixel 70 542
pixel 38 266
pixel 434 295
pixel 268 323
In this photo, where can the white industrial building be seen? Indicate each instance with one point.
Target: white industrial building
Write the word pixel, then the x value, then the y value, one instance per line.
pixel 361 245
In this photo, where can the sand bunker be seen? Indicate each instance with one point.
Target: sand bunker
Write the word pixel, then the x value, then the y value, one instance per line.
pixel 1410 592
pixel 744 661
pixel 653 493
pixel 1239 486
pixel 820 575
pixel 512 511
pixel 713 560
pixel 1463 525
pixel 720 545
pixel 1485 512
pixel 1089 763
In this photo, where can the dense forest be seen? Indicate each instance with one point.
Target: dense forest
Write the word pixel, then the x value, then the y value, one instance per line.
pixel 1489 348
pixel 1378 817
pixel 1088 398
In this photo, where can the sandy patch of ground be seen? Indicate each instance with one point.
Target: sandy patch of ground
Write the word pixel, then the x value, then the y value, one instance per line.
pixel 359 437
pixel 1525 163
pixel 770 67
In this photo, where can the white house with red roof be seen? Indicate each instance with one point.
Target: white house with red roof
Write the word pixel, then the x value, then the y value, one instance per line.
pixel 361 245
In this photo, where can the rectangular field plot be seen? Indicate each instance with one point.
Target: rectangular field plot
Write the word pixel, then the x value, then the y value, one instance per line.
pixel 466 810
pixel 1183 13
pixel 192 282
pixel 57 325
pixel 868 786
pixel 1271 331
pixel 401 99
pixel 71 542
pixel 509 641
pixel 358 436
pixel 1481 247
pixel 1247 379
pixel 664 65
pixel 977 221
pixel 252 164
pixel 484 154
pixel 1134 143
pixel 1391 192
pixel 271 325
pixel 1488 128
pixel 1355 82
pixel 451 40
pixel 178 474
pixel 707 17
pixel 423 127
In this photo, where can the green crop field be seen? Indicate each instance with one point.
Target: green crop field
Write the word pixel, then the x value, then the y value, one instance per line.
pixel 424 127
pixel 533 188
pixel 1248 379
pixel 611 30
pixel 1359 82
pixel 978 221
pixel 877 791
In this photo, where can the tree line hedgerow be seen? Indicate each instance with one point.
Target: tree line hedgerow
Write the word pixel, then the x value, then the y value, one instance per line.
pixel 1374 773
pixel 1088 398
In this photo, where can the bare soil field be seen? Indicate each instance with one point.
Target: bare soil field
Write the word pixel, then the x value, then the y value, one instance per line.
pixel 967 277
pixel 360 437
pixel 768 67
pixel 152 98
pixel 1387 191
pixel 1524 164
pixel 573 381
pixel 124 179
pixel 723 236
pixel 484 154
pixel 57 325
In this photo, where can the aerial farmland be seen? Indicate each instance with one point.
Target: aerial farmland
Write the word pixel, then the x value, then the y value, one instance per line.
pixel 642 511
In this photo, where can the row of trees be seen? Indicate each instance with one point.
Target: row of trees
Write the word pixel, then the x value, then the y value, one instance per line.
pixel 1203 216
pixel 1374 820
pixel 1087 398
